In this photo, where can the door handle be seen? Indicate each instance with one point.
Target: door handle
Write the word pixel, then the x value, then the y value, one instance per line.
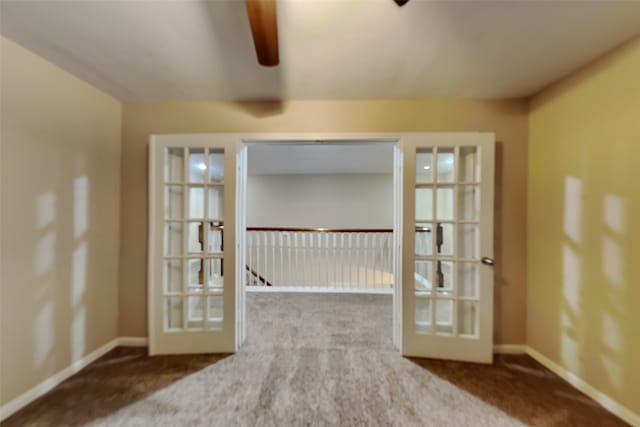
pixel 488 261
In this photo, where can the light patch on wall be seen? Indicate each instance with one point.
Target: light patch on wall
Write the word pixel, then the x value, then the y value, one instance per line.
pixel 78 333
pixel 45 254
pixel 569 342
pixel 43 334
pixel 615 213
pixel 45 209
pixel 573 207
pixel 80 205
pixel 612 262
pixel 614 372
pixel 611 336
pixel 571 293
pixel 78 274
pixel 571 277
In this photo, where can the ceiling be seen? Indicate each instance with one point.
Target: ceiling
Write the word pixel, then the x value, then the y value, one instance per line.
pixel 161 50
pixel 342 158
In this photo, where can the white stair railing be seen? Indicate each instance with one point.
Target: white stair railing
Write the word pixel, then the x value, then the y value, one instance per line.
pixel 320 258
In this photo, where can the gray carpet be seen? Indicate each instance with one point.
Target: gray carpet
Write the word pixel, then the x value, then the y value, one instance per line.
pixel 312 359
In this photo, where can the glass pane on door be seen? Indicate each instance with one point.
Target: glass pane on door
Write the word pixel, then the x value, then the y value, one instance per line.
pixel 424 316
pixel 468 165
pixel 173 202
pixel 216 166
pixel 197 165
pixel 468 203
pixel 174 166
pixel 424 165
pixel 424 204
pixel 193 238
pixel 446 165
pixel 446 272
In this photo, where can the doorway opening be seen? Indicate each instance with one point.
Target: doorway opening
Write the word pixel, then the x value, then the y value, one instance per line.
pixel 320 222
pixel 442 240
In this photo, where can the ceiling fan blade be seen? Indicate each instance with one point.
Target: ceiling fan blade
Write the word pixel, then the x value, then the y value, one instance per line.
pixel 264 29
pixel 401 2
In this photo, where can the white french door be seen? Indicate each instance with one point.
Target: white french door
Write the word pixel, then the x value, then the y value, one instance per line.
pixel 447 226
pixel 192 238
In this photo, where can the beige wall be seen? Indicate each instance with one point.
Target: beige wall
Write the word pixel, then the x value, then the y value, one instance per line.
pixel 60 172
pixel 339 201
pixel 507 118
pixel 584 234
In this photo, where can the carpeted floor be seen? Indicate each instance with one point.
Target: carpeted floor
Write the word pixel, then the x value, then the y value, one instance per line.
pixel 312 359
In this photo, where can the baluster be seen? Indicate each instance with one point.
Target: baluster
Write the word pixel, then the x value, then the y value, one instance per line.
pixel 348 258
pixel 280 240
pixel 326 258
pixel 304 259
pixel 312 277
pixel 390 255
pixel 249 255
pixel 373 260
pixel 366 258
pixel 334 258
pixel 341 258
pixel 357 249
pixel 297 264
pixel 378 260
pixel 381 240
pixel 312 259
pixel 266 256
pixel 316 259
pixel 273 257
pixel 373 255
pixel 289 260
pixel 258 260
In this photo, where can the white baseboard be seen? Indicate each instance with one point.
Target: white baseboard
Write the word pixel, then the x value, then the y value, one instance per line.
pixel 510 349
pixel 47 385
pixel 606 401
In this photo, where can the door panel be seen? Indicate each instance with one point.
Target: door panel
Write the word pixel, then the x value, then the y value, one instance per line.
pixel 192 237
pixel 448 223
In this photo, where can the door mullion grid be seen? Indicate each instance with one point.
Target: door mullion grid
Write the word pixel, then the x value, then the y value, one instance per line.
pixel 479 297
pixel 454 243
pixel 185 239
pixel 434 242
pixel 205 243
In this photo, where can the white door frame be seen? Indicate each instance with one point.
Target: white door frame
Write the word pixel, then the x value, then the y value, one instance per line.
pixel 355 138
pixel 403 268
